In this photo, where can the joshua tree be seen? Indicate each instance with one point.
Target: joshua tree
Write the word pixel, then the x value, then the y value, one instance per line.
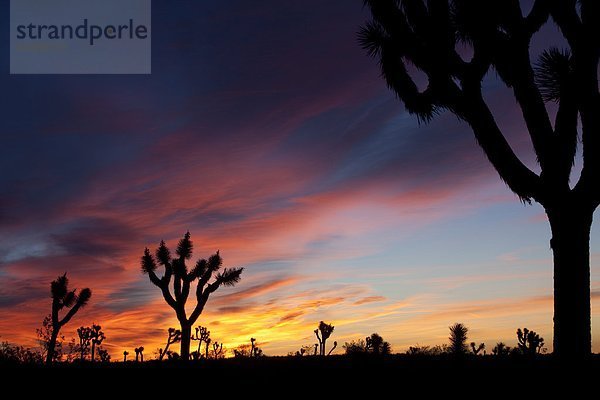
pixel 97 338
pixel 44 334
pixel 176 270
pixel 217 350
pixel 530 343
pixel 501 350
pixel 316 347
pixel 424 34
pixel 201 334
pixel 174 337
pixel 63 298
pixel 103 355
pixel 125 354
pixel 139 354
pixel 326 330
pixel 458 339
pixel 477 349
pixel 85 339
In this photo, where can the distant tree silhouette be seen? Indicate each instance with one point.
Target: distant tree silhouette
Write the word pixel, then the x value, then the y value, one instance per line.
pixel 202 334
pixel 63 298
pixel 218 350
pixel 326 330
pixel 424 34
pixel 174 337
pixel 176 270
pixel 97 338
pixel 476 349
pixel 85 340
pixel 125 354
pixel 530 343
pixel 316 347
pixel 44 336
pixel 458 339
pixel 376 345
pixel 12 354
pixel 501 350
pixel 139 354
pixel 103 355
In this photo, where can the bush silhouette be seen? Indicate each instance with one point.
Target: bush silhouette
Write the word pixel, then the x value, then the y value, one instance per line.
pixel 529 342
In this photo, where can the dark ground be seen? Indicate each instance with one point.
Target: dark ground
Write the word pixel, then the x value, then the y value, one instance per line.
pixel 410 376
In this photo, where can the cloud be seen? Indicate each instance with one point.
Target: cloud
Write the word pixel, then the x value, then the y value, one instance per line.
pixel 369 299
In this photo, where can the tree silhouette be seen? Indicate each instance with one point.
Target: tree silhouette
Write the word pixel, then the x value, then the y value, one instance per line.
pixel 139 354
pixel 475 349
pixel 174 337
pixel 530 343
pixel 103 355
pixel 176 270
pixel 326 330
pixel 85 340
pixel 218 350
pixel 501 350
pixel 458 339
pixel 201 334
pixel 63 298
pixel 97 337
pixel 424 34
pixel 125 354
pixel 44 335
pixel 376 345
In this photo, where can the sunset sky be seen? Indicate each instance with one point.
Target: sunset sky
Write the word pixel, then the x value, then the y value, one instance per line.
pixel 266 131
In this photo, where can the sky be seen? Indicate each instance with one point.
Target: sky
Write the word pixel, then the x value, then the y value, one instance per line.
pixel 266 131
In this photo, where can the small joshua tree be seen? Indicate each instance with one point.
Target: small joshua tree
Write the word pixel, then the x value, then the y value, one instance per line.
pixel 174 337
pixel 177 271
pixel 63 298
pixel 97 338
pixel 201 334
pixel 125 354
pixel 530 343
pixel 501 350
pixel 103 355
pixel 458 339
pixel 477 349
pixel 139 354
pixel 326 330
pixel 218 350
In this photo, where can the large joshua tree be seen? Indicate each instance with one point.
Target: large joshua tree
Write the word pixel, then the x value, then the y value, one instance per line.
pixel 425 33
pixel 63 298
pixel 177 272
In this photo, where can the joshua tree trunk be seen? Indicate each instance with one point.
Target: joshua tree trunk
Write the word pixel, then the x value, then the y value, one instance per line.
pixel 186 334
pixel 571 225
pixel 51 346
pixel 93 350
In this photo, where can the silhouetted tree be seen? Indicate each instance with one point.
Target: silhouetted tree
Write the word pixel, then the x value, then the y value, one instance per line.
pixel 44 336
pixel 97 337
pixel 218 350
pixel 458 339
pixel 425 34
pixel 63 298
pixel 326 330
pixel 18 355
pixel 139 354
pixel 477 349
pixel 103 355
pixel 85 339
pixel 530 343
pixel 376 345
pixel 201 334
pixel 125 354
pixel 501 350
pixel 174 337
pixel 176 270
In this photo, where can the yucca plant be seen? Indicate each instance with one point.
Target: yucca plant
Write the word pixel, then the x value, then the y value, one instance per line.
pixel 426 34
pixel 62 298
pixel 177 273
